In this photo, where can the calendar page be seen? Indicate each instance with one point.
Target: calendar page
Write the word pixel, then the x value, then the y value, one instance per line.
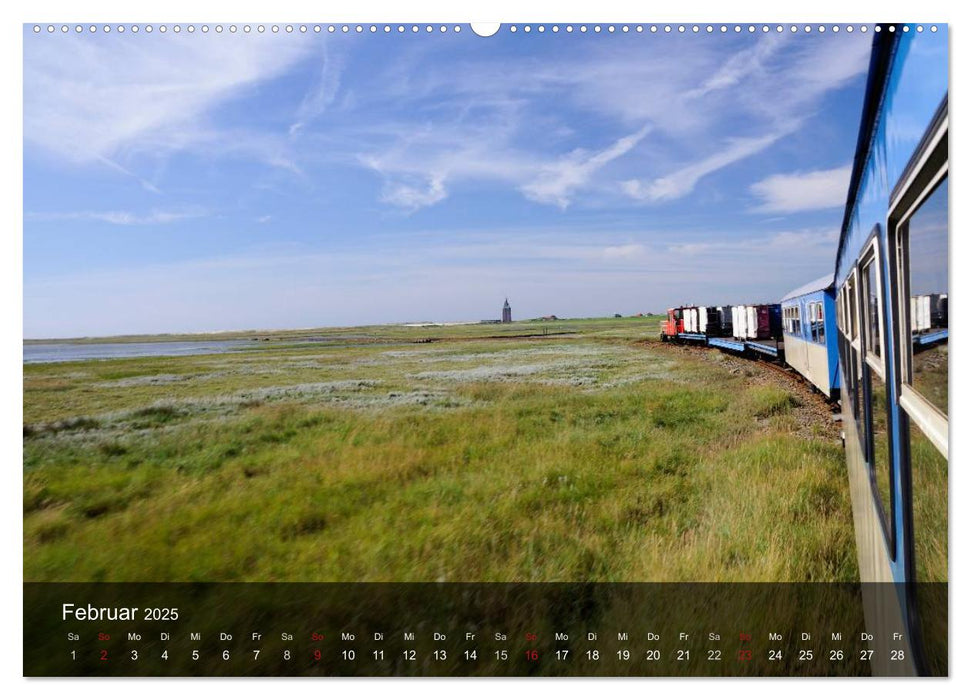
pixel 520 349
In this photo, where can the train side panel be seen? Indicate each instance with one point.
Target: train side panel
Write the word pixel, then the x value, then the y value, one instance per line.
pixel 894 248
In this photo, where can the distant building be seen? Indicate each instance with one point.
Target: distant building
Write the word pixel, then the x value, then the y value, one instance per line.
pixel 506 312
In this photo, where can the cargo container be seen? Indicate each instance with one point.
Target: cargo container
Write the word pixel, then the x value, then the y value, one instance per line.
pixel 709 321
pixel 691 320
pixel 757 321
pixel 928 311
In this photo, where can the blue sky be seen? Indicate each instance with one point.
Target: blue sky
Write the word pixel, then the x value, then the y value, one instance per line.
pixel 177 182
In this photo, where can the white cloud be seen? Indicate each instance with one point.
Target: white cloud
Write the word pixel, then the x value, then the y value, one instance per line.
pixel 802 191
pixel 321 95
pixel 555 182
pixel 624 252
pixel 421 161
pixel 736 97
pixel 691 249
pixel 825 237
pixel 740 66
pixel 121 218
pixel 418 168
pixel 100 98
pixel 683 181
pixel 413 197
pixel 793 244
pixel 149 186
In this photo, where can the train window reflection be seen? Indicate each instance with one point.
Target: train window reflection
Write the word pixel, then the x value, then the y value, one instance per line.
pixel 928 469
pixel 851 303
pixel 880 443
pixel 840 324
pixel 929 504
pixel 925 234
pixel 871 299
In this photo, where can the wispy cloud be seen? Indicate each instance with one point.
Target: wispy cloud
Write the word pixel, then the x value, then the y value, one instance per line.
pixel 675 118
pixel 683 181
pixel 421 162
pixel 625 252
pixel 741 66
pixel 802 191
pixel 321 94
pixel 121 218
pixel 146 185
pixel 102 99
pixel 643 139
pixel 796 242
pixel 555 182
pixel 415 196
pixel 774 94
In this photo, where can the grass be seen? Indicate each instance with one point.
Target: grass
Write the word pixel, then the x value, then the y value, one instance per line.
pixel 592 456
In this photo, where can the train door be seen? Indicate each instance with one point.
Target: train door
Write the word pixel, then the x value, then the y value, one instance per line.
pixel 817 354
pixel 803 320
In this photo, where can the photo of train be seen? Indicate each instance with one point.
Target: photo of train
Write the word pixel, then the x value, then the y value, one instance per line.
pixel 872 335
pixel 614 350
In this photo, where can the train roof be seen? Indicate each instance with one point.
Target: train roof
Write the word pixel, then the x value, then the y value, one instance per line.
pixel 824 282
pixel 881 56
pixel 904 86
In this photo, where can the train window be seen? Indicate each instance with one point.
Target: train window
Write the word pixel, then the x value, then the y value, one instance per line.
pixel 923 237
pixel 879 452
pixel 851 348
pixel 839 312
pixel 843 306
pixel 819 328
pixel 790 317
pixel 814 318
pixel 851 305
pixel 875 388
pixel 918 220
pixel 871 306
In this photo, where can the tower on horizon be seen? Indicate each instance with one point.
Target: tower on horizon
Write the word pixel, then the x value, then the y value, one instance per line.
pixel 506 312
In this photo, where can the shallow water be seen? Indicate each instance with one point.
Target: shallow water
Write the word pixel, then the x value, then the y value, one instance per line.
pixel 67 352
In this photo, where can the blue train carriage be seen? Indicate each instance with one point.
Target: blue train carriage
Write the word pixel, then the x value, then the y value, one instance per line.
pixel 893 254
pixel 809 334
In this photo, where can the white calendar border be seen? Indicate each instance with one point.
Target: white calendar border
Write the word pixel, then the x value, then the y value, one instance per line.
pixel 452 12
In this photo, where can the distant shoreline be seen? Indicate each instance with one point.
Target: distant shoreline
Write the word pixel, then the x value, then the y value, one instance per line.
pixel 291 334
